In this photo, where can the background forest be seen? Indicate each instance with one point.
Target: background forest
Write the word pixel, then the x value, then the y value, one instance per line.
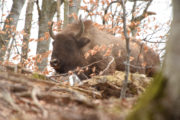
pixel 24 26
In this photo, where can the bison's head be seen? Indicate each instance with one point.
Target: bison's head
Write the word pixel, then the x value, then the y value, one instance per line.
pixel 67 53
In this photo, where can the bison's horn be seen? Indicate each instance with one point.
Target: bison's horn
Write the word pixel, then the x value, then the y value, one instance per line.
pixel 81 29
pixel 51 32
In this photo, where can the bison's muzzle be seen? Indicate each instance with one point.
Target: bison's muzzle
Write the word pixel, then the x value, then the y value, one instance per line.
pixel 54 63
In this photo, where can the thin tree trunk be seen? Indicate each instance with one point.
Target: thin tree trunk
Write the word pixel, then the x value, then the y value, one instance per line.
pixel 73 9
pixel 27 29
pixel 46 15
pixel 59 13
pixel 10 25
pixel 70 8
pixel 58 10
pixel 66 12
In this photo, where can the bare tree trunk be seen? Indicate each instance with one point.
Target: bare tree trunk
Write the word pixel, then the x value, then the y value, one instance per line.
pixel 70 8
pixel 66 12
pixel 161 101
pixel 59 13
pixel 27 29
pixel 73 9
pixel 10 25
pixel 58 10
pixel 45 15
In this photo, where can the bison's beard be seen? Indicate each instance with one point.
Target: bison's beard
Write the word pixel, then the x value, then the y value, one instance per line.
pixel 63 69
pixel 60 70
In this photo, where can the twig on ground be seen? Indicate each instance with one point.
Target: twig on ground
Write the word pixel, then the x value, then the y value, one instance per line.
pixel 107 67
pixel 34 93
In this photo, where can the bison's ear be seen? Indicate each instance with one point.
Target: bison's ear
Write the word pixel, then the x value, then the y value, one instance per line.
pixel 82 42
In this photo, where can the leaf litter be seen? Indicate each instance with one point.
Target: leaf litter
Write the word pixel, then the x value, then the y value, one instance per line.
pixel 25 97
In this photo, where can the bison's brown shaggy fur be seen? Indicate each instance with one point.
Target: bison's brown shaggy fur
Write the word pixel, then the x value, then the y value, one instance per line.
pixel 70 46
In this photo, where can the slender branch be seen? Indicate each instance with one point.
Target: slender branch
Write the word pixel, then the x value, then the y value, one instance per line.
pixel 2 41
pixel 16 46
pixel 109 64
pixel 38 8
pixel 105 11
pixel 92 8
pixel 10 47
pixel 133 10
pixel 142 16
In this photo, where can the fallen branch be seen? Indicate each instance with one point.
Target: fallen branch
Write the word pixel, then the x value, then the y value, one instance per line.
pixel 34 93
pixel 107 67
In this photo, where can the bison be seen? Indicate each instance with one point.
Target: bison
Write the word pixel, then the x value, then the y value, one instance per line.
pixel 81 44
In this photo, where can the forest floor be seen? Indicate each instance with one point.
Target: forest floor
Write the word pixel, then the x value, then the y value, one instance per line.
pixel 30 96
